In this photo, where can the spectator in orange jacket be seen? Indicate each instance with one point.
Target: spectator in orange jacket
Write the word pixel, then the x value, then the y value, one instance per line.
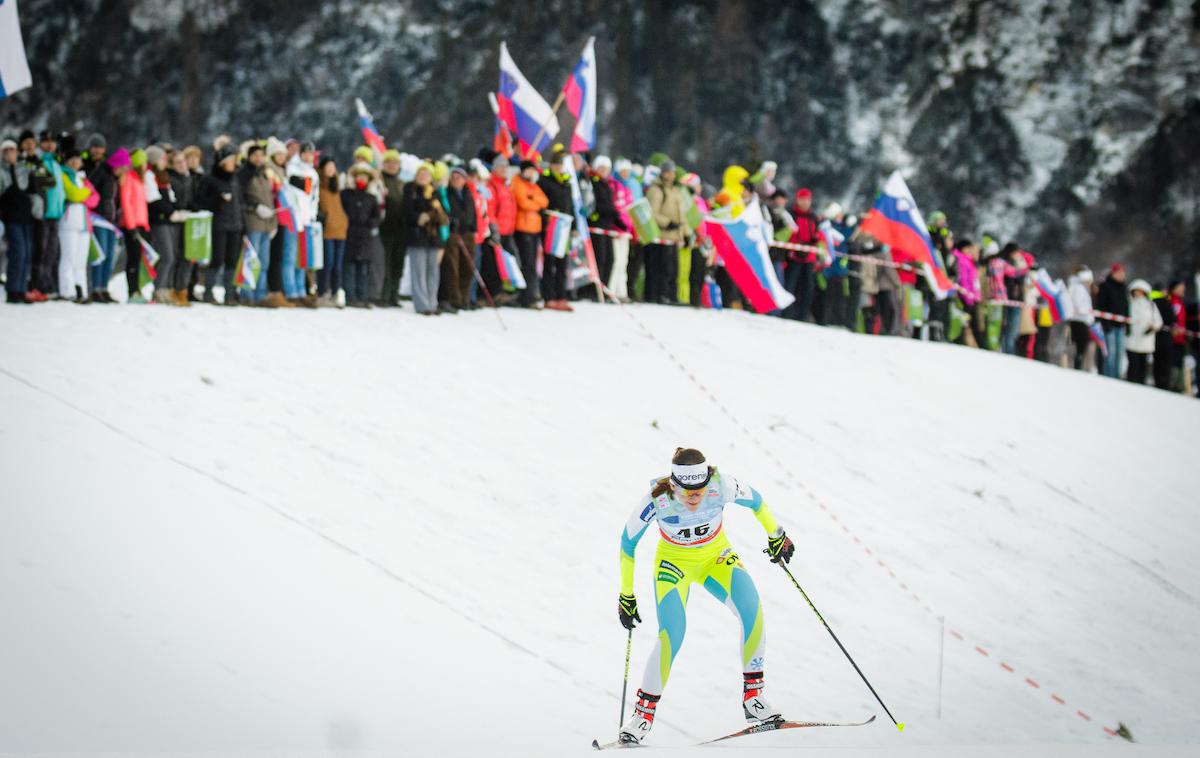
pixel 530 201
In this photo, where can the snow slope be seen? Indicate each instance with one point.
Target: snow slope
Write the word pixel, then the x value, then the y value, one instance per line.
pixel 336 531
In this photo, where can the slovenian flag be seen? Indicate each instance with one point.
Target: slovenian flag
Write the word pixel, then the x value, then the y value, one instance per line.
pixel 14 66
pixel 371 135
pixel 96 220
pixel 580 95
pixel 896 221
pixel 1096 332
pixel 146 272
pixel 510 272
pixel 710 295
pixel 743 248
pixel 1053 294
pixel 522 109
pixel 284 209
pixel 95 253
pixel 248 266
pixel 557 234
pixel 832 238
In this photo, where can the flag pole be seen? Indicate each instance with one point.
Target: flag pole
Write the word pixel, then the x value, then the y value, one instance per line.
pixel 562 96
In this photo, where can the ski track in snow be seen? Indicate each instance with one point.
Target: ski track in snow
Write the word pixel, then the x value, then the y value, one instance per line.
pixel 445 456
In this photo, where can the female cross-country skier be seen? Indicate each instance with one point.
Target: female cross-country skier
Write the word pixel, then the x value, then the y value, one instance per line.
pixel 688 505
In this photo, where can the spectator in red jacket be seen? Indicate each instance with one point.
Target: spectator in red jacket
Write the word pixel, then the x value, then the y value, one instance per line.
pixel 800 277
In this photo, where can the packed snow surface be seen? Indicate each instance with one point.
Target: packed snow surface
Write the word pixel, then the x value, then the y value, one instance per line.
pixel 309 533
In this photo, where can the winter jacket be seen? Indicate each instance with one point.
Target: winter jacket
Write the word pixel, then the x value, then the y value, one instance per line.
pixel 462 212
pixel 16 205
pixel 1014 280
pixel 257 189
pixel 1112 297
pixel 558 193
pixel 183 187
pixel 1081 301
pixel 605 214
pixel 502 206
pixel 78 194
pixel 666 203
pixel 135 213
pixel 302 177
pixel 362 236
pixel 221 194
pixel 56 199
pixel 333 215
pixel 483 223
pixel 413 203
pixel 107 188
pixel 804 233
pixel 393 216
pixel 968 279
pixel 165 204
pixel 530 201
pixel 1146 323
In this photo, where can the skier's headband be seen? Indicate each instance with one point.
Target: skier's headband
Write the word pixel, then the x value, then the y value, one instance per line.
pixel 691 476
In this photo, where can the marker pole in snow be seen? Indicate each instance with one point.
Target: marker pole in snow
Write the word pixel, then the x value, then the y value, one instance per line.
pixel 839 644
pixel 625 686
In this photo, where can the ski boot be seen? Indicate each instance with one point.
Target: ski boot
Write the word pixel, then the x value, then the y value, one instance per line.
pixel 754 705
pixel 639 724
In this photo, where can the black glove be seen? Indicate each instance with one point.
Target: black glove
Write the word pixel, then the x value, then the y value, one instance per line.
pixel 780 548
pixel 672 226
pixel 628 612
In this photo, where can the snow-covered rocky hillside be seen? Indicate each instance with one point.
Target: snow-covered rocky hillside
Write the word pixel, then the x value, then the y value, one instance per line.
pixel 319 532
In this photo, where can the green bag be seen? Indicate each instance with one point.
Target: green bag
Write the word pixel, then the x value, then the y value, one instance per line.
pixel 643 221
pixel 914 303
pixel 995 320
pixel 197 237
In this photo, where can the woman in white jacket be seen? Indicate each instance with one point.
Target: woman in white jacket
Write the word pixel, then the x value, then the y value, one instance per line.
pixel 1145 321
pixel 1079 290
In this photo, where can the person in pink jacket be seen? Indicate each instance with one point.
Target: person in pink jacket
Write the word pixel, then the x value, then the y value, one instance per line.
pixel 135 219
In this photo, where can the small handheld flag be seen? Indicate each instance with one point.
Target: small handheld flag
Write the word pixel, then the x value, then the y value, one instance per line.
pixel 510 272
pixel 248 266
pixel 150 258
pixel 371 135
pixel 557 234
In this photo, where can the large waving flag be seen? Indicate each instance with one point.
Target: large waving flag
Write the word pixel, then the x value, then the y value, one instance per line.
pixel 371 135
pixel 522 109
pixel 742 245
pixel 580 94
pixel 896 221
pixel 14 67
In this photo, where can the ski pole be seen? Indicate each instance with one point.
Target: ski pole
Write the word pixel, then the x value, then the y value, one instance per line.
pixel 839 644
pixel 625 686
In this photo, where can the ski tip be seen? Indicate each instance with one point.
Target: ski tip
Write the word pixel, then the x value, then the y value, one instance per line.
pixel 596 744
pixel 900 727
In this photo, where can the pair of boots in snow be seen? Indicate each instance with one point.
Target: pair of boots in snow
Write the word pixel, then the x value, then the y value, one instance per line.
pixel 754 706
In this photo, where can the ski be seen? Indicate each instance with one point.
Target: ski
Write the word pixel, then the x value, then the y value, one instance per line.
pixel 772 726
pixel 614 744
pixel 768 726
